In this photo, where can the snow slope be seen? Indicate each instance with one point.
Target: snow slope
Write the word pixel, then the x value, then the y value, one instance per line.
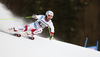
pixel 11 46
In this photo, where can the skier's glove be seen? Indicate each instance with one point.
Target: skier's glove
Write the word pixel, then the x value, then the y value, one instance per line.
pixel 34 16
pixel 51 36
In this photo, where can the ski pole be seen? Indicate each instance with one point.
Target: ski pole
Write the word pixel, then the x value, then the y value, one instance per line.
pixel 15 18
pixel 51 35
pixel 8 18
pixel 49 30
pixel 29 17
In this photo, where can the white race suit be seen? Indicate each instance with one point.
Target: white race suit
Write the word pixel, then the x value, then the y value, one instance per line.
pixel 38 26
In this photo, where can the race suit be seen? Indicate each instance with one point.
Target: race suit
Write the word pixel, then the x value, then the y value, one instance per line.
pixel 38 26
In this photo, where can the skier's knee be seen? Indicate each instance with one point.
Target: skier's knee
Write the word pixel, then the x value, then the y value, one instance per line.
pixel 37 32
pixel 26 28
pixel 33 30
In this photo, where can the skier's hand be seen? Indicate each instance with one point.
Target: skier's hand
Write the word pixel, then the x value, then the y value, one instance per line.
pixel 34 16
pixel 51 37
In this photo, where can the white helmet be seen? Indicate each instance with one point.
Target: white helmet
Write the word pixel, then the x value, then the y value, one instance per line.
pixel 49 13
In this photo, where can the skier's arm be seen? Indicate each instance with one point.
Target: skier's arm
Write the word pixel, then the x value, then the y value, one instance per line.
pixel 51 31
pixel 34 16
pixel 37 16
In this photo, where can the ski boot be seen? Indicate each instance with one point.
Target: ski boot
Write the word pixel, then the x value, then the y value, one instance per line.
pixel 30 33
pixel 12 29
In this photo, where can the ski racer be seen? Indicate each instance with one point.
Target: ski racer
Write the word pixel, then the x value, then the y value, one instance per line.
pixel 38 26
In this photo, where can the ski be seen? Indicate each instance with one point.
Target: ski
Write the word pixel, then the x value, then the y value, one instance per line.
pixel 19 35
pixel 32 38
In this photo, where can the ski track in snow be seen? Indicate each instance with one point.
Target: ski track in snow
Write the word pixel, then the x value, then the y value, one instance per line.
pixel 11 46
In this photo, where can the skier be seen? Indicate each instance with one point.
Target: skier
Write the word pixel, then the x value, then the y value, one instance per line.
pixel 38 26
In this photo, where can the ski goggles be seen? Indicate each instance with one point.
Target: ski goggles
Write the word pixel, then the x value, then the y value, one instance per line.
pixel 50 16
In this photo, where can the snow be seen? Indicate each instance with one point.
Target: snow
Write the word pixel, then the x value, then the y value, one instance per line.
pixel 5 24
pixel 11 46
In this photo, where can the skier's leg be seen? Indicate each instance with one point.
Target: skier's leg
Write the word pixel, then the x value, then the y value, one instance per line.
pixel 36 31
pixel 23 29
pixel 32 33
pixel 16 29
